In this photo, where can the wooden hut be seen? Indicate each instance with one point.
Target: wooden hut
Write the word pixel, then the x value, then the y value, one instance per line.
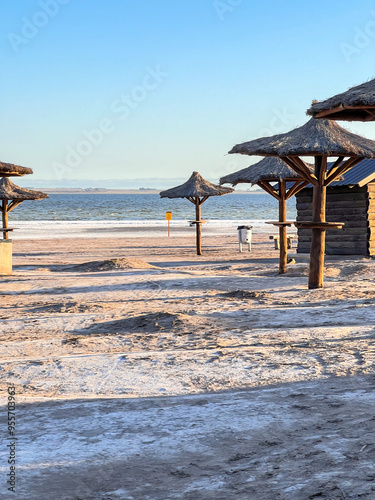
pixel 350 200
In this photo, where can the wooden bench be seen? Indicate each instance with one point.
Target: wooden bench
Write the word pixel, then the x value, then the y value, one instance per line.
pixel 194 222
pixel 5 231
pixel 276 239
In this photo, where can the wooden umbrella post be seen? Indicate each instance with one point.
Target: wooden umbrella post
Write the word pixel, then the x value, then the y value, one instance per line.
pixel 282 195
pixel 197 190
pixel 4 210
pixel 318 236
pixel 198 224
pixel 282 229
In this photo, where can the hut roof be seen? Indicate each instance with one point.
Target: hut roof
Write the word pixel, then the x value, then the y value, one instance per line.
pixel 195 186
pixel 316 137
pixel 9 191
pixel 8 170
pixel 270 168
pixel 347 105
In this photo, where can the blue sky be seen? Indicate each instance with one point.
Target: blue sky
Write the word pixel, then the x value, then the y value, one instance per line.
pixel 134 92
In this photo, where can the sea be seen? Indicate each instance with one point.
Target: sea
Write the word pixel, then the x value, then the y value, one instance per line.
pixel 103 215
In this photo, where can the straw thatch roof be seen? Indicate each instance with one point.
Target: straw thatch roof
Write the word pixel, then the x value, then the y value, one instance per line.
pixel 316 137
pixel 196 186
pixel 9 191
pixel 347 105
pixel 8 170
pixel 270 169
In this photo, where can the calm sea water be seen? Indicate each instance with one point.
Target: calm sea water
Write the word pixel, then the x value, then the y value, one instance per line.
pixel 95 207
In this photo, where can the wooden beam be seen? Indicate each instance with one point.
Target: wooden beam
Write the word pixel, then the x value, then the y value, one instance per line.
pixel 340 108
pixel 293 163
pixel 344 167
pixel 14 204
pixel 298 186
pixel 333 174
pixel 304 168
pixel 293 166
pixel 336 165
pixel 203 199
pixel 5 218
pixel 326 112
pixel 269 189
pixel 370 113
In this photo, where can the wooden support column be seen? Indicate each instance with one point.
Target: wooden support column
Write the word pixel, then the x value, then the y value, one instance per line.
pixel 282 229
pixel 4 213
pixel 318 234
pixel 198 225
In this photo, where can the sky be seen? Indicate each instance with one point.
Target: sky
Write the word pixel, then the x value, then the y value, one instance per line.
pixel 131 93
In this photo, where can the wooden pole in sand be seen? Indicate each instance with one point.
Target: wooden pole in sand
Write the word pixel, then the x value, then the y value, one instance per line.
pixel 282 229
pixel 282 195
pixel 4 210
pixel 320 179
pixel 168 216
pixel 318 237
pixel 198 224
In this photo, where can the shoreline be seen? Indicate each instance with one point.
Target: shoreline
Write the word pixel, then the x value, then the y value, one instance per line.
pixel 122 191
pixel 56 229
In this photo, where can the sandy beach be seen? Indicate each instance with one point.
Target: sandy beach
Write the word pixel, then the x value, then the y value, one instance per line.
pixel 137 135
pixel 145 372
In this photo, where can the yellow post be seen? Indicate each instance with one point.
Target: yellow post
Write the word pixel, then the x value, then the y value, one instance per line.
pixel 168 217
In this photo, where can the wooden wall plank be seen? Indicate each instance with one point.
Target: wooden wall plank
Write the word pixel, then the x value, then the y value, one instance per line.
pixel 354 206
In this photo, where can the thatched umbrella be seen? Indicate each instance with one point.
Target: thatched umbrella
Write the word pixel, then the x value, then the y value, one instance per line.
pixel 265 174
pixel 197 190
pixel 321 139
pixel 10 170
pixel 356 104
pixel 11 196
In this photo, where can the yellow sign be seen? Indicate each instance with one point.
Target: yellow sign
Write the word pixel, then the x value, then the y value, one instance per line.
pixel 168 216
